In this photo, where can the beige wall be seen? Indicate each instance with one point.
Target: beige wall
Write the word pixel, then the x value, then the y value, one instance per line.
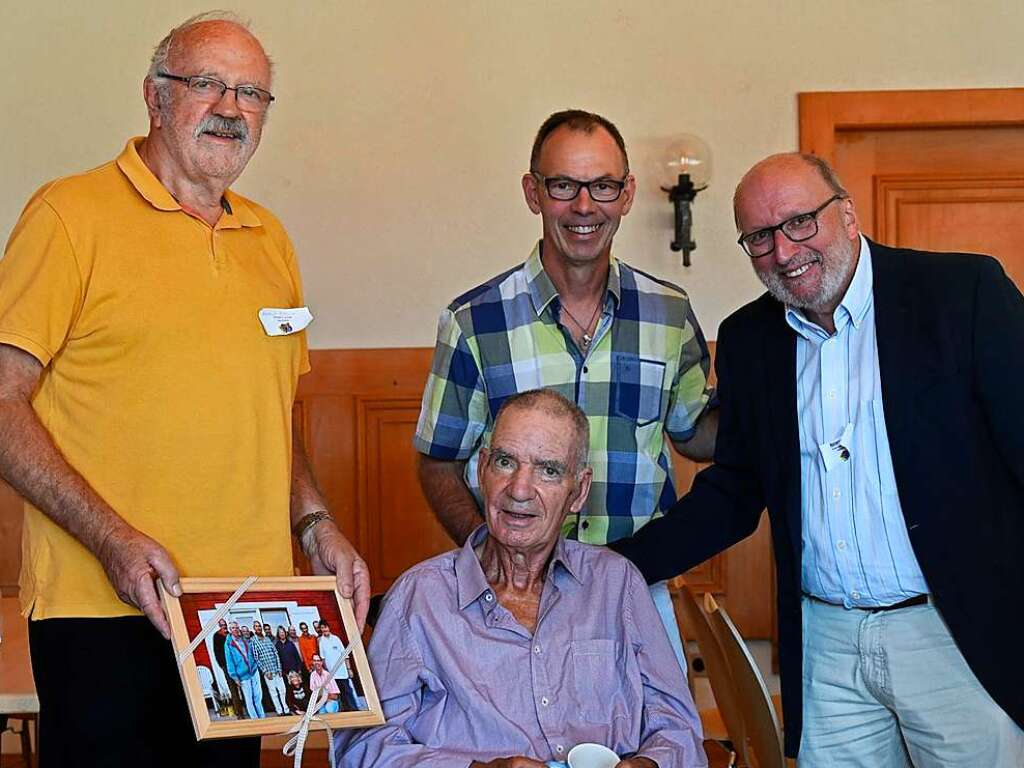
pixel 395 149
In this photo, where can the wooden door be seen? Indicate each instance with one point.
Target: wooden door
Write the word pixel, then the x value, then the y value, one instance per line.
pixel 935 170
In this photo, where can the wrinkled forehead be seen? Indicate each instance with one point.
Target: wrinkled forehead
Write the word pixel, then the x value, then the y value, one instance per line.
pixel 534 433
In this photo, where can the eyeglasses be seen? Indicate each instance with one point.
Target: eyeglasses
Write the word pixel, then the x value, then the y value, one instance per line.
pixel 210 91
pixel 603 190
pixel 798 228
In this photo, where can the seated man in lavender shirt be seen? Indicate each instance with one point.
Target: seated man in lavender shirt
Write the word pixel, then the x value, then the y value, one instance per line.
pixel 508 652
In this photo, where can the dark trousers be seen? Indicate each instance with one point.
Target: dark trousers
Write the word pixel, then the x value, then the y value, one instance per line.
pixel 110 696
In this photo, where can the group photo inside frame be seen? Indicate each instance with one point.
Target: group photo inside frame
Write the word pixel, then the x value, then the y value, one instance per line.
pixel 255 673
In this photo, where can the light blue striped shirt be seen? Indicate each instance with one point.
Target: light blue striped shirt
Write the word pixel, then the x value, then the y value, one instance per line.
pixel 856 550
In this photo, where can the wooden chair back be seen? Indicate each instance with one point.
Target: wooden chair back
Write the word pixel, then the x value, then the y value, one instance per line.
pixel 695 625
pixel 759 720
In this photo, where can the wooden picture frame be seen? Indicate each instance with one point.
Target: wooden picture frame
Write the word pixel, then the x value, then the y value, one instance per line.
pixel 270 600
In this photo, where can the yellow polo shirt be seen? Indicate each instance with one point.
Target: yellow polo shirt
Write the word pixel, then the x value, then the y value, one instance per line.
pixel 160 385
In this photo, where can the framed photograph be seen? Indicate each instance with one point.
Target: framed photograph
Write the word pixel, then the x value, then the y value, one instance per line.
pixel 255 673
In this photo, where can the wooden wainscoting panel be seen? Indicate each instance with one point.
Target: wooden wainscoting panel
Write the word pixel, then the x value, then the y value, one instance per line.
pixel 395 522
pixel 750 580
pixel 367 371
pixel 709 576
pixel 327 402
pixel 743 576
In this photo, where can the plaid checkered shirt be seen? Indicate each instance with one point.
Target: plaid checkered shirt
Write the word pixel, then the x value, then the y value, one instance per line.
pixel 266 654
pixel 644 374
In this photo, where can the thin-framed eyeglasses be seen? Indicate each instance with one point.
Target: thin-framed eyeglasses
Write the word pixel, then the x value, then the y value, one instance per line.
pixel 209 90
pixel 602 190
pixel 797 228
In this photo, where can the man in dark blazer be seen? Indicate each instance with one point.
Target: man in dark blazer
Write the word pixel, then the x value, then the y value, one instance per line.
pixel 871 400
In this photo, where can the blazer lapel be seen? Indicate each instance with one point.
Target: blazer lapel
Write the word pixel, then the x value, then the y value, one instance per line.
pixel 899 349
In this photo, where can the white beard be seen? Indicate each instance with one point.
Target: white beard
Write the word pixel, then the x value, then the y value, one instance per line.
pixel 836 265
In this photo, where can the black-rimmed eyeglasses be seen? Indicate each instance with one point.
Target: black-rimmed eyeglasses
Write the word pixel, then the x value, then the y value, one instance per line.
pixel 210 90
pixel 797 228
pixel 603 190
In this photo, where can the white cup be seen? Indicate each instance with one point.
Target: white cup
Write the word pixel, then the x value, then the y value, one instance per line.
pixel 592 756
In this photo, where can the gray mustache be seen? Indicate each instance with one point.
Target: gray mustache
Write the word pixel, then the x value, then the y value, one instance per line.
pixel 235 127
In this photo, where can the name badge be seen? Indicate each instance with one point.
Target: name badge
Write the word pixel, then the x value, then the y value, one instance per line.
pixel 837 451
pixel 284 322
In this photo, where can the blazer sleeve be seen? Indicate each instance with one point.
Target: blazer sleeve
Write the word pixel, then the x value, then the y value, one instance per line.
pixel 726 500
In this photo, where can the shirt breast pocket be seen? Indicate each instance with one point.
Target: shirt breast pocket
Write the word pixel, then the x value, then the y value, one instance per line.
pixel 597 674
pixel 637 388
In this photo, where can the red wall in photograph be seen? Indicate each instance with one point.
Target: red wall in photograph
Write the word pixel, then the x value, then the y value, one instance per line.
pixel 325 602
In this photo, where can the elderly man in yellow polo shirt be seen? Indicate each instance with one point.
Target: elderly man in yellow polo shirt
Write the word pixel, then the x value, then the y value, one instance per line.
pixel 150 347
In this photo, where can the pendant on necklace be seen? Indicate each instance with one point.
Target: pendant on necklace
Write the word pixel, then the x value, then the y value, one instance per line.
pixel 587 338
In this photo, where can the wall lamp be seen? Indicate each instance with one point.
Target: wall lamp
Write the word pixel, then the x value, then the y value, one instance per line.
pixel 685 170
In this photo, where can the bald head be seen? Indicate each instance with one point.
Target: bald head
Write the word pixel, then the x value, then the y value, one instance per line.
pixel 789 163
pixel 217 27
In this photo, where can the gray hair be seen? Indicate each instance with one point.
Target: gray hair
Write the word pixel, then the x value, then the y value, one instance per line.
pixel 827 173
pixel 556 404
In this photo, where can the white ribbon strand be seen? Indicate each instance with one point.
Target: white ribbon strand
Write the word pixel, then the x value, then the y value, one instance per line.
pixel 318 697
pixel 211 624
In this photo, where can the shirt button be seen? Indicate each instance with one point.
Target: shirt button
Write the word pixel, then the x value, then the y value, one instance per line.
pixel 536 649
pixel 841 544
pixel 831 394
pixel 585 524
pixel 836 493
pixel 489 597
pixel 559 748
pixel 586 369
pixel 544 701
pixel 855 595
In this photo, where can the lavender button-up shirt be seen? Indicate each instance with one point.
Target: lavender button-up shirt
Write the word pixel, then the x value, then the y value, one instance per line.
pixel 461 680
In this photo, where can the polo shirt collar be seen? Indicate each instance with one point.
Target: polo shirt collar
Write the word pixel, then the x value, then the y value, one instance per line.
pixel 237 212
pixel 469 574
pixel 543 291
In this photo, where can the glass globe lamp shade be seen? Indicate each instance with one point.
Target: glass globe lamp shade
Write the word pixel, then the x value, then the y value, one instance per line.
pixel 688 154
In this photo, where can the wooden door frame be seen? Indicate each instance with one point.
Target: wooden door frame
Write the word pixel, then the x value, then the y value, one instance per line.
pixel 823 114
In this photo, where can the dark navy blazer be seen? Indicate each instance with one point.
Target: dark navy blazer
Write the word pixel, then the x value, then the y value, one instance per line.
pixel 951 355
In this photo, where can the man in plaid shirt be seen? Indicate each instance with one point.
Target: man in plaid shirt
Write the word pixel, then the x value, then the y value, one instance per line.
pixel 269 664
pixel 622 345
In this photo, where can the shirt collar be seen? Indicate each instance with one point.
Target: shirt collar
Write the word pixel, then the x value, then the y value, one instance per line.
pixel 542 290
pixel 237 211
pixel 854 306
pixel 469 574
